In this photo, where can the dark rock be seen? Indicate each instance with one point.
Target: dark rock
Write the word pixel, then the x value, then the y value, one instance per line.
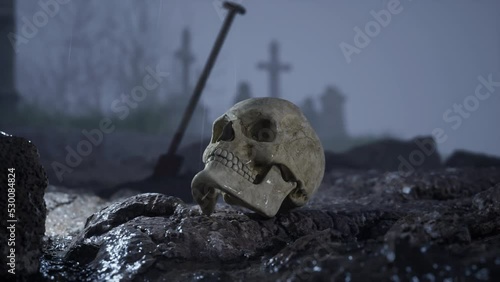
pixel 29 211
pixel 469 159
pixel 339 161
pixel 359 226
pixel 177 186
pixel 388 155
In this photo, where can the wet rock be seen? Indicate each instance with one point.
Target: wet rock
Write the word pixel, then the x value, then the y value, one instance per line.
pixel 487 201
pixel 25 217
pixel 360 225
pixel 164 236
pixel 388 155
pixel 462 158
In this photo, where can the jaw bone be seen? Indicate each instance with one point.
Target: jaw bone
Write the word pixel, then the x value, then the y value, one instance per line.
pixel 263 198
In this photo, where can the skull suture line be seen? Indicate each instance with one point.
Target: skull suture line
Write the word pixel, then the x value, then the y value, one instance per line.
pixel 263 155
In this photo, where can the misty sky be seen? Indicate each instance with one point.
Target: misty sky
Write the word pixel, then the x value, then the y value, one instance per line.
pixel 426 59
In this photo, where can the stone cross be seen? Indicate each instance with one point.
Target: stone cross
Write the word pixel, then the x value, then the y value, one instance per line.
pixel 186 57
pixel 274 67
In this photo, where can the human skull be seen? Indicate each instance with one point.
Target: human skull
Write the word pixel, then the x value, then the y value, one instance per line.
pixel 263 155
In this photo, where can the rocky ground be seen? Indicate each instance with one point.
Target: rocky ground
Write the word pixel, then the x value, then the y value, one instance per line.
pixel 440 225
pixel 436 224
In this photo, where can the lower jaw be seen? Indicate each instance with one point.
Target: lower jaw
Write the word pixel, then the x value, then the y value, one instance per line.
pixel 216 178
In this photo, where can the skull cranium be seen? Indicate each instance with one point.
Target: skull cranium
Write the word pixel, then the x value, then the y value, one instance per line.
pixel 263 155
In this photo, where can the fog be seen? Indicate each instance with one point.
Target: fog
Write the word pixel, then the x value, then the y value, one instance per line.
pixel 409 79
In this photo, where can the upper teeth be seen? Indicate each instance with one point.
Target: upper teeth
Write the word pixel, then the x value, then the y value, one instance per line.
pixel 232 161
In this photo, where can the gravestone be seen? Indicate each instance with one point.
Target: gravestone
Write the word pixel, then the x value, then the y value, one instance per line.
pixel 243 93
pixel 309 110
pixel 9 98
pixel 274 67
pixel 332 125
pixel 186 57
pixel 328 120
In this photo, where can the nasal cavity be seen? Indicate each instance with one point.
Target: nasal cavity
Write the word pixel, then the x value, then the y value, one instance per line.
pixel 227 133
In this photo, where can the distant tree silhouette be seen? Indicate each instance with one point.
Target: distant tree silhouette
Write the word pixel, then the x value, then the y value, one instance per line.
pixel 9 99
pixel 95 52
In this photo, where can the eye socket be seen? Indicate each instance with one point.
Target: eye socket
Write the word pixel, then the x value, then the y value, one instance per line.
pixel 263 131
pixel 222 130
pixel 218 127
pixel 227 133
